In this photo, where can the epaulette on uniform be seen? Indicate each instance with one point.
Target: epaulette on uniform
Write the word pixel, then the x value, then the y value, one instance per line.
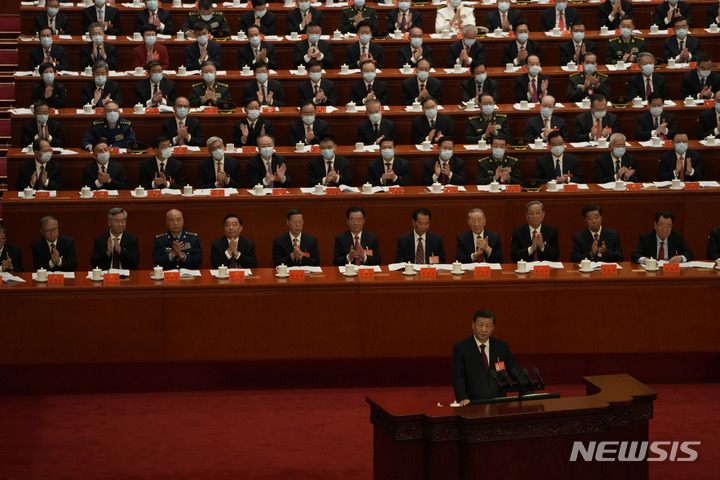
pixel 197 84
pixel 483 159
pixel 223 85
pixel 99 122
pixel 639 38
pixel 160 235
pixel 192 234
pixel 474 117
pixel 125 122
pixel 500 114
pixel 601 74
pixel 511 158
pixel 193 14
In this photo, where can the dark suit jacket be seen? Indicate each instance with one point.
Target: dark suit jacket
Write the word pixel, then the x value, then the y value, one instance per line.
pixel 129 252
pixel 707 123
pixel 37 57
pixel 392 16
pixel 534 126
pixel 605 169
pixel 65 247
pixel 143 18
pixel 352 54
pixel 691 83
pixel 545 167
pixel 470 90
pixel 302 47
pixel 316 170
pixel 58 98
pixel 582 246
pixel 111 16
pixel 400 166
pixel 521 87
pixel 433 246
pixel 671 49
pixel 647 246
pixel 345 241
pixel 493 19
pixel 87 60
pixel 547 18
pixel 62 23
pixel 87 93
pixel 521 241
pixel 14 253
pixel 636 85
pixel 405 55
pixel 358 91
pixel 174 173
pixel 306 92
pixel 267 22
pixel 253 133
pixel 366 133
pixel 296 131
pixel 477 53
pixel 293 19
pixel 169 129
pixel 711 14
pixel 421 127
pixel 466 247
pixel 411 89
pixel 143 91
pixel 206 172
pixel 251 88
pixel 246 247
pixel 604 10
pixel 27 169
pixel 644 125
pixel 713 246
pixel 247 57
pixel 30 130
pixel 662 10
pixel 584 122
pixel 567 50
pixel 471 380
pixel 510 51
pixel 282 249
pixel 457 167
pixel 256 171
pixel 667 166
pixel 192 55
pixel 118 178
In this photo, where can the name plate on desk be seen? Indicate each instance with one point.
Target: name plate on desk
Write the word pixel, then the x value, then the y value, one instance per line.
pixel 279 191
pixel 154 110
pixel 111 278
pixel 100 194
pixel 321 109
pixel 428 272
pixel 396 190
pixel 366 273
pixel 708 103
pixel 332 191
pixel 634 186
pixel 512 188
pixel 154 193
pixel 483 271
pixel 217 192
pixel 171 276
pixel 42 194
pixel 671 268
pixel 237 275
pixel 608 269
pixel 56 278
pixel 570 188
pixel 297 273
pixel 541 270
pixel 114 150
pixel 179 150
pixel 692 185
pixel 210 110
pixel 451 189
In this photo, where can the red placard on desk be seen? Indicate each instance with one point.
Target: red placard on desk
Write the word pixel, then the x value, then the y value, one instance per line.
pixel 114 150
pixel 608 269
pixel 321 109
pixel 42 194
pixel 366 273
pixel 708 103
pixel 179 150
pixel 692 185
pixel 428 272
pixel 99 111
pixel 570 187
pixel 512 188
pixel 153 110
pixel 483 271
pixel 299 273
pixel 332 191
pixel 210 110
pixel 56 279
pixel 171 276
pixel 248 149
pixel 279 191
pixel 217 192
pixel 396 190
pixel 541 270
pixel 451 189
pixel 237 274
pixel 101 194
pixel 154 193
pixel 111 278
pixel 671 268
pixel 634 186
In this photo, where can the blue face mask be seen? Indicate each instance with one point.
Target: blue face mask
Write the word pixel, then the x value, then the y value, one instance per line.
pixel 522 37
pixel 681 147
pixel 209 77
pixel 267 151
pixel 423 75
pixel 681 33
pixel 618 152
pixel 647 69
pixel 327 153
pixel 315 76
pixel 589 68
pixel 364 38
pixel 46 42
pixel 369 76
pixel 488 110
pixel 48 78
pixel 404 6
pixel 261 77
pixel 387 153
pixel 152 5
pixel 578 36
pixel 546 112
pixel 431 112
pixel 112 117
pixel 100 80
pixel 313 37
pixel 446 154
pixel 561 6
pixel 150 40
pixel 498 153
pixel 156 77
pixel 480 78
pixel 359 3
pixel 181 112
pixel 415 42
pixel 625 32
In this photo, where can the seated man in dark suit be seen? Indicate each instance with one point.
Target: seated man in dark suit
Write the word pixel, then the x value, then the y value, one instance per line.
pixel 420 246
pixel 256 50
pixel 47 52
pixel 534 241
pixel 680 162
pixel 516 51
pixel 329 169
pixel 177 248
pixel 403 18
pixel 364 49
pixel 575 48
pixel 596 243
pixel 701 82
pixel 102 174
pixel 266 90
pixel 267 168
pixel 610 13
pixel 655 122
pixel 155 90
pixel 182 129
pixel 420 86
pixel 10 255
pixel 713 245
pixel 300 19
pixel 663 243
pixel 478 84
pixel 320 91
pixel 712 14
pixel 444 168
pixel 411 53
pixel 313 48
pixel 259 16
pixel 558 165
pixel 477 244
pixel 637 85
pixel 369 86
pixel 98 50
pixel 540 126
pixel 218 170
pixel 150 50
pixel 616 164
pixel 503 17
pixel 41 173
pixel 667 12
pixel 247 130
pixel 498 166
pixel 162 170
pixel 53 252
pixel 116 248
pixel 388 170
pixel 232 249
pixel 589 82
pixel 374 128
pixel 466 50
pixel 42 126
pixel 596 123
pixel 308 129
pixel 431 125
pixel 474 358
pixel 52 17
pixel 155 16
pixel 209 92
pixel 203 50
pixel 48 89
pixel 100 90
pixel 108 17
pixel 560 16
pixel 296 247
pixel 709 120
pixel 356 246
pixel 681 47
pixel 533 85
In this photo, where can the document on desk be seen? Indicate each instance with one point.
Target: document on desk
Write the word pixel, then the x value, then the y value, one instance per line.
pixel 67 275
pixel 308 269
pixel 187 273
pixel 530 265
pixel 375 268
pixel 8 277
pixel 471 266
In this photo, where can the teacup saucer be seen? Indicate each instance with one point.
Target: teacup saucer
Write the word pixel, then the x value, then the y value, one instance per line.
pixel 522 273
pixel 155 278
pixel 282 276
pixel 590 270
pixel 410 274
pixel 652 269
pixel 40 281
pixel 462 272
pixel 354 274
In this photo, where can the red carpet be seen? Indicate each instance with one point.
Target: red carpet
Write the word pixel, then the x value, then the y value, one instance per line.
pixel 262 434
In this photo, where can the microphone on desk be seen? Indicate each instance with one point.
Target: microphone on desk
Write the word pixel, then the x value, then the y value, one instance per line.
pixel 536 371
pixel 507 378
pixel 495 376
pixel 526 374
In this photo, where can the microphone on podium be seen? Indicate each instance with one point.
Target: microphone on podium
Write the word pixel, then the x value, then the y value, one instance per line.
pixel 536 371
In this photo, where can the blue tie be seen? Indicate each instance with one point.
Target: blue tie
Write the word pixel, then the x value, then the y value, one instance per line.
pixel 558 173
pixel 656 123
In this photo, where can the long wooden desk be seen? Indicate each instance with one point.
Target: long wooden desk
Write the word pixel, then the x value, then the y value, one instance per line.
pixel 389 216
pixel 419 438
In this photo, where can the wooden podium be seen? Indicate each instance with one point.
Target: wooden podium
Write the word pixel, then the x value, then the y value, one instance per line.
pixel 416 439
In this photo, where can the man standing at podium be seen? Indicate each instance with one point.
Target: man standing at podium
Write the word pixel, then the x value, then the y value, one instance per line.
pixel 475 356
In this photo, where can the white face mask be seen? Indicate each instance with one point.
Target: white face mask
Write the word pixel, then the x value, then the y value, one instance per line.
pixel 254 40
pixel 112 117
pixel 431 113
pixel 504 6
pixel 45 157
pixel 202 39
pixel 99 3
pixel 359 3
pixel 375 117
pixel 578 36
pixel 387 153
pixel 364 38
pixel 308 119
pixel 150 40
pixel 681 147
pixel 267 152
pixel 404 6
pixel 557 150
pixel 327 153
pixel 52 11
pixel 315 76
pixel 423 75
pixel 253 114
pixel 455 3
pixel 480 78
pixel 599 114
pixel 313 38
pixel 416 42
pixel 656 111
pixel 42 118
pixel 589 68
pixel 625 32
pixel 446 154
pixel 218 154
pixel 48 78
pixel 369 76
pixel 206 17
pixel 46 42
pixel 209 77
pixel 647 69
pixel 261 77
pixel 166 153
pixel 498 153
pixel 522 37
pixel 546 112
pixel 534 70
pixel 97 39
pixel 100 80
pixel 702 73
pixel 304 6
pixel 103 158
pixel 181 112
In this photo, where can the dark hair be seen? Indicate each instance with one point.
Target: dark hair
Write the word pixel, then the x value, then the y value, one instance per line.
pixel 200 26
pixel 309 102
pixel 366 61
pixel 484 314
pixel 151 64
pixel 247 30
pixel 328 138
pixel 45 66
pixel 664 214
pixel 257 65
pixel 628 17
pixel 423 59
pixel 148 28
pixel 42 29
pixel 36 143
pixel 521 22
pixel 257 3
pixel 312 24
pixel 353 210
pixel 679 18
pixel 205 4
pixel 232 215
pixel 591 207
pixel 388 139
pixel 3 229
pixel 40 103
pixel 586 54
pixel 427 99
pixel 476 63
pixel 158 140
pixel 291 212
pixel 577 24
pixel 446 138
pixel 98 142
pixel 363 23
pixel 598 97
pixel 420 211
pixel 655 95
pixel 703 57
pixel 312 63
pixel 555 134
pixel 680 132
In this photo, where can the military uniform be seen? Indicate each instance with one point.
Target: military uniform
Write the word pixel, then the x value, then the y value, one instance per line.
pixel 347 24
pixel 190 247
pixel 488 165
pixel 617 48
pixel 217 22
pixel 575 92
pixel 222 93
pixel 478 124
pixel 121 136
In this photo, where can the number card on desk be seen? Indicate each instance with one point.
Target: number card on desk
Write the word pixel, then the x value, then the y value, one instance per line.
pixel 210 110
pixel 217 192
pixel 427 272
pixel 279 191
pixel 483 271
pixel 237 275
pixel 100 194
pixel 55 279
pixel 692 185
pixel 541 270
pixel 366 273
pixel 634 186
pixel 332 191
pixel 671 268
pixel 42 194
pixel 396 190
pixel 297 274
pixel 111 278
pixel 512 188
pixel 154 193
pixel 451 189
pixel 571 187
pixel 608 269
pixel 171 276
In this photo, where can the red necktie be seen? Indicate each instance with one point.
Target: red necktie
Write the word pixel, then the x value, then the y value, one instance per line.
pixel 561 22
pixel 536 253
pixel 443 178
pixel 181 124
pixel 661 251
pixel 268 168
pixel 504 17
pixel 155 91
pixel 388 167
pixel 420 253
pixel 547 122
pixel 598 130
pixel 534 92
pixel 317 89
pixel 648 88
pixel 39 184
pixel 329 169
pixel 357 249
pixel 467 52
pixel 233 261
pixel 403 23
pixel 480 258
pixel 162 167
pixel 484 357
